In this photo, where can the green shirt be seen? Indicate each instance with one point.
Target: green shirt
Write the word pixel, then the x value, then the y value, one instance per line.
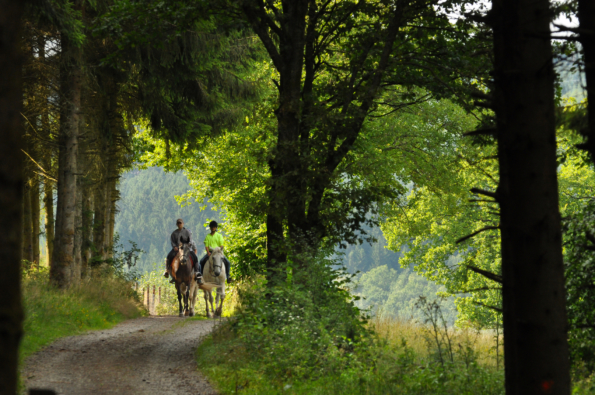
pixel 213 241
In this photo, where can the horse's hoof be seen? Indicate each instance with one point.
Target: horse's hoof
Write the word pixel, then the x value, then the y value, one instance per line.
pixel 186 313
pixel 181 315
pixel 191 314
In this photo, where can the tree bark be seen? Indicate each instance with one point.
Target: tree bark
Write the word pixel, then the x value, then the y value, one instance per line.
pixel 11 193
pixel 87 229
pixel 99 221
pixel 46 162
pixel 27 240
pixel 48 202
pixel 35 217
pixel 114 197
pixel 71 84
pixel 78 220
pixel 535 347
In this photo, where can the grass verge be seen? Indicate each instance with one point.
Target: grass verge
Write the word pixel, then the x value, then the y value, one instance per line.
pixel 99 302
pixel 397 364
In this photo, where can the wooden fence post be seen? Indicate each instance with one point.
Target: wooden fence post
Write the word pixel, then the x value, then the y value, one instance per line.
pixel 154 307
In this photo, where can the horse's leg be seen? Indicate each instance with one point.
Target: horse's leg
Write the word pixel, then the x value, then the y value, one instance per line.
pixel 186 310
pixel 192 300
pixel 180 301
pixel 207 303
pixel 211 302
pixel 220 299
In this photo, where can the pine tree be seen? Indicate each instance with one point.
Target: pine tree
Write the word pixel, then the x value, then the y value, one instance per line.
pixel 11 192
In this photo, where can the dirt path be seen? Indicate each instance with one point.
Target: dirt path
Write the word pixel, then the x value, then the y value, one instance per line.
pixel 151 355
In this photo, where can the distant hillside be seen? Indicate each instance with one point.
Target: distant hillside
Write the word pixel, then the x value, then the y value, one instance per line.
pixel 148 212
pixel 365 257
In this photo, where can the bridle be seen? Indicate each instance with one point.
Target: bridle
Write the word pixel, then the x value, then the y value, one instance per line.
pixel 184 251
pixel 212 265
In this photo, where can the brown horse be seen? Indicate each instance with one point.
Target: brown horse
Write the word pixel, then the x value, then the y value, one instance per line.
pixel 182 271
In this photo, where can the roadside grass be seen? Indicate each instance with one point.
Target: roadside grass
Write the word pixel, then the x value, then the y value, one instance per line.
pixel 99 302
pixel 298 340
pixel 398 360
pixel 400 357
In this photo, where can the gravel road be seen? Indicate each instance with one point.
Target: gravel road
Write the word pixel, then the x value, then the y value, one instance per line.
pixel 150 355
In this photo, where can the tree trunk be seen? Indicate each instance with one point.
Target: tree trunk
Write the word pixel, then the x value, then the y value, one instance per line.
pixel 536 348
pixel 11 193
pixel 48 202
pixel 586 16
pixel 114 197
pixel 35 217
pixel 87 229
pixel 46 162
pixel 71 80
pixel 99 221
pixel 27 226
pixel 78 220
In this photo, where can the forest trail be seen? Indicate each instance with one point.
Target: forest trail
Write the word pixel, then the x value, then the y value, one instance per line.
pixel 149 355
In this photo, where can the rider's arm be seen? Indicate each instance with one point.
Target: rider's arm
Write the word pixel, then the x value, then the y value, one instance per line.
pixel 173 239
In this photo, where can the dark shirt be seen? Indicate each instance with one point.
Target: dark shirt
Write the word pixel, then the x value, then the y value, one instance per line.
pixel 177 234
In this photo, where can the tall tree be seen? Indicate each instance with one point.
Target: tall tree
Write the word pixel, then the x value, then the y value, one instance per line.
pixel 338 63
pixel 71 80
pixel 534 312
pixel 11 192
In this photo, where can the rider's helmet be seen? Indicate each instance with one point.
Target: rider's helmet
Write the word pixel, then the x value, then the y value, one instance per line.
pixel 213 224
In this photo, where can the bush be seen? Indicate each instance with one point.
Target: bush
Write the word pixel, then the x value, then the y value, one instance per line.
pixel 306 336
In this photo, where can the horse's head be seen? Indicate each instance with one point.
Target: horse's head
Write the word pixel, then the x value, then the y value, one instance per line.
pixel 184 249
pixel 217 261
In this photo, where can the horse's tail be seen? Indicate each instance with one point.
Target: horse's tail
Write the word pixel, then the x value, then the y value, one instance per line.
pixel 208 286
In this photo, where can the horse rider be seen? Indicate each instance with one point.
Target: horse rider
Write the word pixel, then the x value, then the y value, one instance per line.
pixel 214 240
pixel 176 235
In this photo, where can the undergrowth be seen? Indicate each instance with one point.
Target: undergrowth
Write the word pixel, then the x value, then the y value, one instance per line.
pixel 306 336
pixel 99 302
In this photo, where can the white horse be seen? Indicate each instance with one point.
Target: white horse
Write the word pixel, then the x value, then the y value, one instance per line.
pixel 214 272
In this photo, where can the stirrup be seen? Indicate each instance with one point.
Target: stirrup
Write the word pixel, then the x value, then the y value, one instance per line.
pixel 172 281
pixel 199 279
pixel 166 274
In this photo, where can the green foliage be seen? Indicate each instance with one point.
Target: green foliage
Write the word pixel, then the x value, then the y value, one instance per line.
pixel 291 353
pixel 436 213
pixel 148 213
pixel 580 271
pixel 61 14
pixel 308 320
pixel 187 70
pixel 99 302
